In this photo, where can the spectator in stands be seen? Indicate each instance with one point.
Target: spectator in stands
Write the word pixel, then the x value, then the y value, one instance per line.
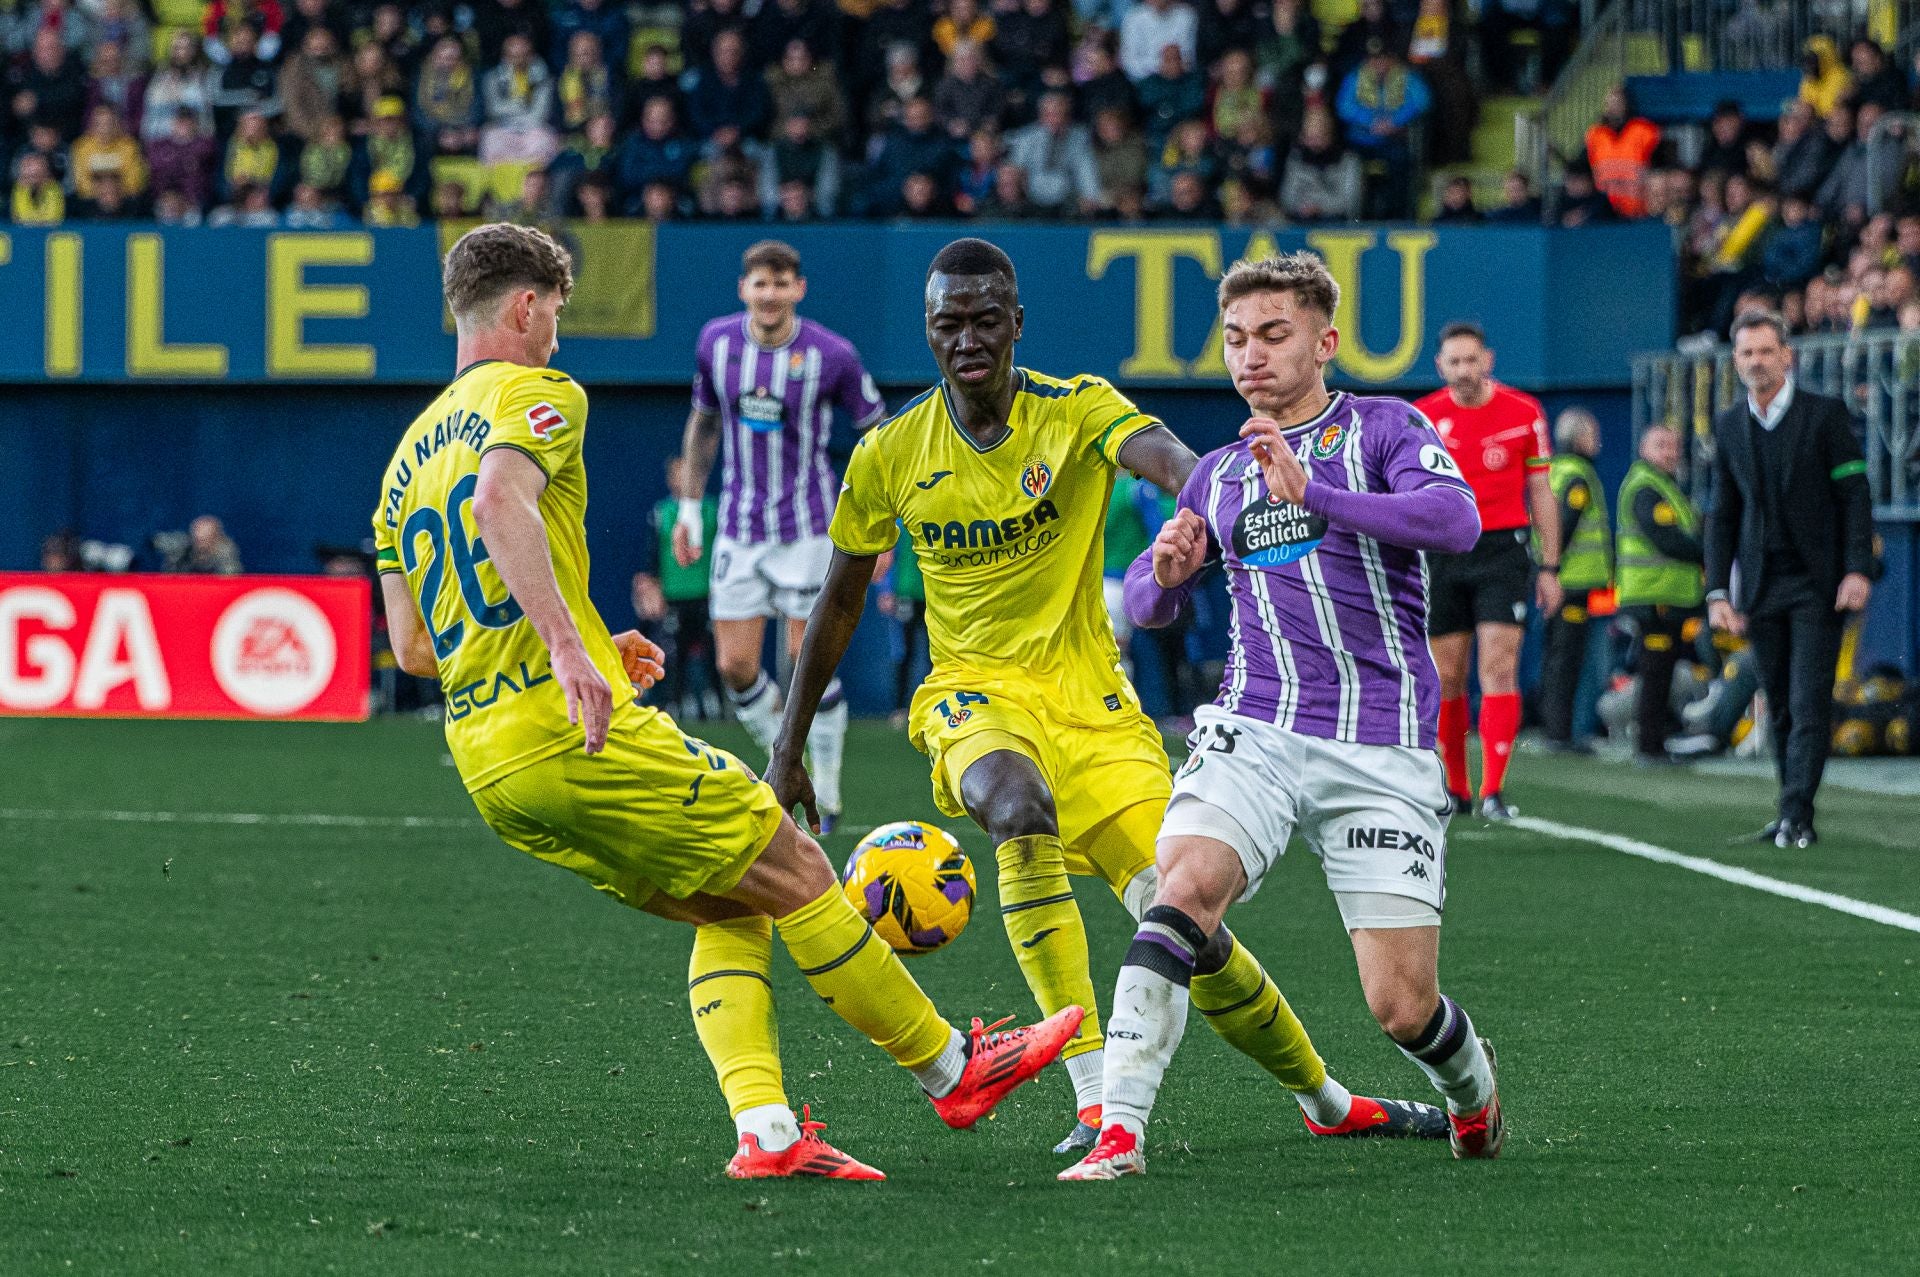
pixel 253 156
pixel 1009 201
pixel 656 80
pixel 311 210
pixel 585 86
pixel 1292 64
pixel 52 88
pixel 516 100
pixel 1106 87
pixel 74 27
pixel 1874 79
pixel 313 84
pixel 250 207
pixel 781 22
pixel 1380 102
pixel 246 82
pixel 388 27
pixel 798 156
pixel 657 155
pixel 44 140
pixel 388 203
pixel 1146 31
pixel 1436 49
pixel 902 83
pixel 1620 147
pixel 112 82
pixel 181 161
pixel 1734 261
pixel 446 100
pixel 722 169
pixel 802 85
pixel 1030 37
pixel 327 162
pixel 1250 161
pixel 38 199
pixel 389 149
pixel 1190 199
pixel 497 21
pixel 705 20
pixel 306 15
pixel 607 23
pixel 1322 181
pixel 1894 294
pixel 894 25
pixel 1371 24
pixel 1726 148
pixel 593 199
pixel 1171 94
pixel 1456 202
pixel 1868 169
pixel 963 20
pixel 1824 82
pixel 662 202
pixel 1906 242
pixel 206 548
pixel 1189 149
pixel 534 205
pixel 915 145
pixel 1581 203
pixel 727 104
pixel 590 154
pixel 371 78
pixel 1119 156
pixel 105 148
pixel 1057 157
pixel 1234 96
pixel 1794 249
pixel 121 23
pixel 1802 154
pixel 969 96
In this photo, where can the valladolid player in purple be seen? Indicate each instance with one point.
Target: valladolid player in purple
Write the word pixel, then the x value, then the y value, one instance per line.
pixel 1325 720
pixel 765 386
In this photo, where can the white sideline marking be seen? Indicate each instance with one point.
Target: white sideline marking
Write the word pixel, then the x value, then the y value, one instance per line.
pixel 1726 873
pixel 317 819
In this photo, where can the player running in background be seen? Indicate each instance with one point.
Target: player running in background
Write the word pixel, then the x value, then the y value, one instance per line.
pixel 1325 722
pixel 1002 476
pixel 1498 438
pixel 481 545
pixel 764 388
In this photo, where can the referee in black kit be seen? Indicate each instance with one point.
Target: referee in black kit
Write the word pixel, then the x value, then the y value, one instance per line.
pixel 1791 507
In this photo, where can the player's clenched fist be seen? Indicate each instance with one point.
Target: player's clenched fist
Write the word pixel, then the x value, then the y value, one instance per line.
pixel 1286 477
pixel 1180 549
pixel 641 657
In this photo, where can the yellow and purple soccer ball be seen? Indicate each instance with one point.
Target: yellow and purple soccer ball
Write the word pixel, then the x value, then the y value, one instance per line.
pixel 913 883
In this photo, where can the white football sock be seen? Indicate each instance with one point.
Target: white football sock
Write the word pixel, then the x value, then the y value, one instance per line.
pixel 1448 1051
pixel 1149 1014
pixel 826 745
pixel 1086 1070
pixel 771 1124
pixel 939 1076
pixel 1328 1105
pixel 758 709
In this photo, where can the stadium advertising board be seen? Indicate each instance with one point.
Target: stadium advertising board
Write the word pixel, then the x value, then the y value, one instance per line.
pixel 142 646
pixel 1564 308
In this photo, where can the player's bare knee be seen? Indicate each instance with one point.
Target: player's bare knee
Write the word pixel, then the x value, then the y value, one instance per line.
pixel 739 669
pixel 1196 888
pixel 1402 1009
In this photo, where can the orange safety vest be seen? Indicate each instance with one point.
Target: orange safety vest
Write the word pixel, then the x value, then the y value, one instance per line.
pixel 1619 162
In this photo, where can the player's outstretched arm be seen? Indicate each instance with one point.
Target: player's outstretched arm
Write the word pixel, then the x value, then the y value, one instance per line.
pixel 406 630
pixel 836 613
pixel 1157 455
pixel 506 510
pixel 698 445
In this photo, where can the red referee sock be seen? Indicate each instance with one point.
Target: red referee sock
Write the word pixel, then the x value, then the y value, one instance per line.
pixel 1499 724
pixel 1453 745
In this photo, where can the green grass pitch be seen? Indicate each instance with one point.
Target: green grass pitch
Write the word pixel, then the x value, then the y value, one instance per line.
pixel 369 1045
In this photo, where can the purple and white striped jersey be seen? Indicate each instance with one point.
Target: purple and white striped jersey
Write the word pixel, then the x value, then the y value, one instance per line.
pixel 776 413
pixel 1328 627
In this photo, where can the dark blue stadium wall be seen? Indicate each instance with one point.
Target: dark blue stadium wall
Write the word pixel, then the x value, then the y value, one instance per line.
pixel 291 468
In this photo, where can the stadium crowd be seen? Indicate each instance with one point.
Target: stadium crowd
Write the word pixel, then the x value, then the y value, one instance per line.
pixel 314 113
pixel 1816 215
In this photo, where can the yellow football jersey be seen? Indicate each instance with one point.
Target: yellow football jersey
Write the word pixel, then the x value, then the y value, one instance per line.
pixel 504 710
pixel 1009 538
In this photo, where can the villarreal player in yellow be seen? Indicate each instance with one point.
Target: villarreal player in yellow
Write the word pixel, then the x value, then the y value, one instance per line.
pixel 1000 476
pixel 482 552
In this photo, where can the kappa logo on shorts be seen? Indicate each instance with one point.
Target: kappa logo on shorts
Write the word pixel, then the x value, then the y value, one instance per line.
pixel 1415 870
pixel 543 419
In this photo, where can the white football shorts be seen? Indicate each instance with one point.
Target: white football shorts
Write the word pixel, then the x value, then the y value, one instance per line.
pixel 1376 815
pixel 767 579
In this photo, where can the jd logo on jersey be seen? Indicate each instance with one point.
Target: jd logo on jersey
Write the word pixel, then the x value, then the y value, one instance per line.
pixel 1269 534
pixel 1036 477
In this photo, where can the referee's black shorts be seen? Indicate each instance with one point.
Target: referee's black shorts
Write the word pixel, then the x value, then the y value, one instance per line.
pixel 1489 584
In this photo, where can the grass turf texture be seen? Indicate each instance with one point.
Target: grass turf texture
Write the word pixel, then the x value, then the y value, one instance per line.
pixel 356 1047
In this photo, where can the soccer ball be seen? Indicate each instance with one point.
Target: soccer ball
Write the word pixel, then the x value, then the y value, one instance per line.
pixel 913 883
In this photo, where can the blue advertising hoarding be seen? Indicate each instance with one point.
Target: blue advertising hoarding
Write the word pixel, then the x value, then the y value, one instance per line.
pixel 1563 308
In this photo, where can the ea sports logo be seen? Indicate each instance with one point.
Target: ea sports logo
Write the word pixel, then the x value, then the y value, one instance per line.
pixel 1036 477
pixel 273 651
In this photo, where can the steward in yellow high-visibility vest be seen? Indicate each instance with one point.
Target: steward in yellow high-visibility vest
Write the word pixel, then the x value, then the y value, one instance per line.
pixel 1660 575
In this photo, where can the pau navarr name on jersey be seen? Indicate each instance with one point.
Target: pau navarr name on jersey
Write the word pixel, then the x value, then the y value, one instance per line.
pixel 458 426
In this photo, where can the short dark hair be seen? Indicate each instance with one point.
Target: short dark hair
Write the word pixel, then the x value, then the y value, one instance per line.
pixel 973 257
pixel 1760 319
pixel 1303 274
pixel 1462 328
pixel 773 255
pixel 492 260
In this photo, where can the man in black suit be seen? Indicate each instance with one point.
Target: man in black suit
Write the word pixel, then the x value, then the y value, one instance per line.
pixel 1791 506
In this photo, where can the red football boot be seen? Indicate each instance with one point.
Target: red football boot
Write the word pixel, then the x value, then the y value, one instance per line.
pixel 1000 1060
pixel 810 1156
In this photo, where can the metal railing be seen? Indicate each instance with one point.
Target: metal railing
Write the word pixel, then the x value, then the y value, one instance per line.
pixel 1876 373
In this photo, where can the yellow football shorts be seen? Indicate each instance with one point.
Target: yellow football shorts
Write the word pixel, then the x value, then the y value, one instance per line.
pixel 1110 783
pixel 656 810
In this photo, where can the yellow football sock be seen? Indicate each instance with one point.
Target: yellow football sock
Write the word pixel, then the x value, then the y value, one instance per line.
pixel 1245 1007
pixel 1049 939
pixel 728 983
pixel 857 975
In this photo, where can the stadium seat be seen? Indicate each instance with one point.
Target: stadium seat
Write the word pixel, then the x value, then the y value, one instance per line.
pixel 506 179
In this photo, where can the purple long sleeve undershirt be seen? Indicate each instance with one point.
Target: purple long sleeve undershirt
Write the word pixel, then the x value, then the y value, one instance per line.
pixel 1435 519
